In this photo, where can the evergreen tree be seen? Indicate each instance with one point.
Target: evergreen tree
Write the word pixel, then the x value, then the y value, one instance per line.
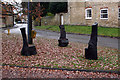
pixel 57 7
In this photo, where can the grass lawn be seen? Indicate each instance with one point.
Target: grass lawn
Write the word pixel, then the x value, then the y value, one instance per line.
pixel 112 32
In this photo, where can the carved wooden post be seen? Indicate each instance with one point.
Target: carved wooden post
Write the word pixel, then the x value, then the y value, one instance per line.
pixel 63 41
pixel 91 51
pixel 26 50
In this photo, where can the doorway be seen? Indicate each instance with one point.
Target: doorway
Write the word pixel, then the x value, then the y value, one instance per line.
pixel 61 19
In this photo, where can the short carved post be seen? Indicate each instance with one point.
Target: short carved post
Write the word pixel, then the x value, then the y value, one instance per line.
pixel 63 41
pixel 91 51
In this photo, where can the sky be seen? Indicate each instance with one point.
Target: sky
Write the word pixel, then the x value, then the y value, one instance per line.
pixel 61 0
pixel 9 1
pixel 19 1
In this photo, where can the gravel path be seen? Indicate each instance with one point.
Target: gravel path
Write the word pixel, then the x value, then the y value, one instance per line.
pixel 15 72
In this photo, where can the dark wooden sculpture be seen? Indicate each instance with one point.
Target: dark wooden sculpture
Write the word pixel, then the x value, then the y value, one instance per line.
pixel 91 51
pixel 63 41
pixel 26 50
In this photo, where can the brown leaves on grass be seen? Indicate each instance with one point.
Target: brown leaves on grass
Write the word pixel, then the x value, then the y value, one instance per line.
pixel 50 55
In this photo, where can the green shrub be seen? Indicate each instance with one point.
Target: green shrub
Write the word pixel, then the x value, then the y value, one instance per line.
pixel 50 14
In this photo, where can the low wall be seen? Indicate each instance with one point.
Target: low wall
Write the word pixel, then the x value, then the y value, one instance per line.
pixel 50 20
pixel 55 20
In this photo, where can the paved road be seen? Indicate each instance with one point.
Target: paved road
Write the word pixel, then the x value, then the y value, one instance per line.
pixel 102 41
pixel 16 28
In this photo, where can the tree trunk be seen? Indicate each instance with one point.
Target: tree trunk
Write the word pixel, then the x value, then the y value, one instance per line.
pixel 40 22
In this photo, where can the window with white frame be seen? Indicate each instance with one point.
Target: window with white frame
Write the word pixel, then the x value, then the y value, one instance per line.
pixel 104 14
pixel 119 13
pixel 88 13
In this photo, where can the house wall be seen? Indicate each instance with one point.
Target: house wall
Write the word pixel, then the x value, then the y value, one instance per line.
pixel 119 19
pixel 9 21
pixel 6 17
pixel 77 13
pixel 6 21
pixel 112 20
pixel 1 24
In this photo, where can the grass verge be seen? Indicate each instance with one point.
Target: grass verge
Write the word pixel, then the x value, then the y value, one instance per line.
pixel 103 31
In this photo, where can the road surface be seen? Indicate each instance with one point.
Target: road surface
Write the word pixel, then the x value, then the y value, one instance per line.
pixel 102 41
